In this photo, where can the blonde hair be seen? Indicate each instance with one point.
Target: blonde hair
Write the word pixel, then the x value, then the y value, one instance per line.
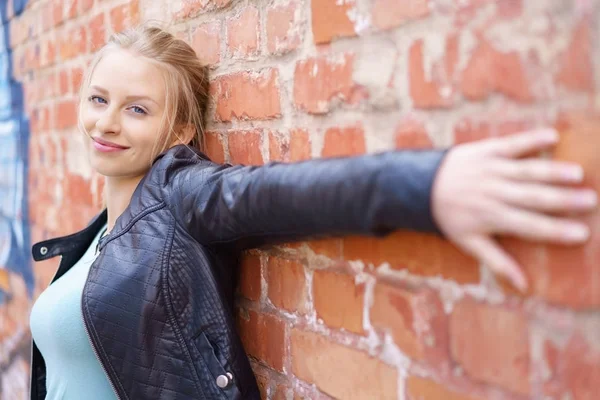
pixel 186 80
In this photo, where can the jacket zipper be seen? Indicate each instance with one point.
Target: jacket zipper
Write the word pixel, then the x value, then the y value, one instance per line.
pixel 87 332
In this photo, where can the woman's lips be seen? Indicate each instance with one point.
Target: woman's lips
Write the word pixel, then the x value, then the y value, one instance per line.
pixel 104 146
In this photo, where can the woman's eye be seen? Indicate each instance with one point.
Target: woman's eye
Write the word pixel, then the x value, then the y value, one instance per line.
pixel 97 99
pixel 138 110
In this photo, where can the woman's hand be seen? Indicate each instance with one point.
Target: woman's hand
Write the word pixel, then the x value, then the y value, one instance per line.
pixel 483 189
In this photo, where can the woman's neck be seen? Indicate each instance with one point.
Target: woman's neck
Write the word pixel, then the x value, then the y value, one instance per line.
pixel 118 192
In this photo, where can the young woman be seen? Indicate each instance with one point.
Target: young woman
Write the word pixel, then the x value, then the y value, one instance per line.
pixel 141 306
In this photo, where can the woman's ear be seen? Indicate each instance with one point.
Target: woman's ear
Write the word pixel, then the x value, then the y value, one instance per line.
pixel 184 135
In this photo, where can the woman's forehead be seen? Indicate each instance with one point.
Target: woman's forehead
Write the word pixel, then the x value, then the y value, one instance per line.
pixel 121 71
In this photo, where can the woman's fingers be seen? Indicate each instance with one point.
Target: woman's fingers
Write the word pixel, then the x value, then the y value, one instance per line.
pixel 545 198
pixel 495 258
pixel 521 144
pixel 530 225
pixel 539 170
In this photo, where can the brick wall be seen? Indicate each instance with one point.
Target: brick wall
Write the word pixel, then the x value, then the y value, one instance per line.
pixel 404 317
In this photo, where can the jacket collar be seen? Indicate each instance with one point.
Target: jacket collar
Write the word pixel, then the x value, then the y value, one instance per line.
pixel 60 245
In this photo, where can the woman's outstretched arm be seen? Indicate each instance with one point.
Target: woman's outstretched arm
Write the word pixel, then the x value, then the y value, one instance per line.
pixel 255 205
pixel 469 194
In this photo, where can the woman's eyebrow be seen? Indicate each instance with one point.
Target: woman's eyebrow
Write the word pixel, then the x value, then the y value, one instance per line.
pixel 128 98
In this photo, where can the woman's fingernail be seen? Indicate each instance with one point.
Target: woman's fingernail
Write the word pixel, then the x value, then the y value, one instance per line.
pixel 550 135
pixel 574 174
pixel 578 233
pixel 587 199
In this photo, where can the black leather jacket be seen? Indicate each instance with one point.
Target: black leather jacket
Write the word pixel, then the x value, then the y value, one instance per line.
pixel 158 301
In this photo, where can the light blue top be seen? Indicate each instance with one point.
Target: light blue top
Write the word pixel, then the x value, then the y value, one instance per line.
pixel 73 372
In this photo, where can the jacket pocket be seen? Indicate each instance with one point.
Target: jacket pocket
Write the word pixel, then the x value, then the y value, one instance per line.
pixel 221 378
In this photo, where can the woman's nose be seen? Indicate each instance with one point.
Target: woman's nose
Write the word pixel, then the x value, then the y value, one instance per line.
pixel 108 122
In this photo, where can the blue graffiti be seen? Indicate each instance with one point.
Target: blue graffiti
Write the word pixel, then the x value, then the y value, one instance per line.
pixel 14 150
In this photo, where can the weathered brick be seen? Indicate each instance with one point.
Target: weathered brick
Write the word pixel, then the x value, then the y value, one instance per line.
pixel 214 147
pixel 491 343
pixel 318 82
pixel 330 19
pixel 389 14
pixel 415 319
pixel 125 16
pixel 97 32
pixel 287 284
pixel 206 42
pixel 418 253
pixel 250 277
pixel 346 141
pixel 490 70
pixel 338 300
pixel 247 95
pixel 329 366
pixel 244 147
pixel 283 28
pixel 574 369
pixel 243 33
pixel 271 349
pixel 418 388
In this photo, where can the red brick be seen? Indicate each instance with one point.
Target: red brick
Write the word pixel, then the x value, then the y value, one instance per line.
pixel 250 277
pixel 46 17
pixel 190 8
pixel 214 147
pixel 418 253
pixel 490 70
pixel 73 43
pixel 418 388
pixel 296 147
pixel 339 371
pixel 58 11
pixel 125 16
pixel 270 349
pixel 244 147
pixel 85 5
pixel 411 134
pixel 287 284
pixel 77 191
pixel 389 14
pixel 66 114
pixel 64 81
pixel 71 9
pixel 576 69
pixel 243 33
pixel 344 142
pixel 283 29
pixel 330 19
pixel 206 42
pixel 433 89
pixel 76 78
pixel 574 369
pixel 330 247
pixel 491 343
pixel 339 302
pixel 48 89
pixel 415 319
pixel 247 95
pixel 48 52
pixel 509 9
pixel 318 82
pixel 469 130
pixel 97 32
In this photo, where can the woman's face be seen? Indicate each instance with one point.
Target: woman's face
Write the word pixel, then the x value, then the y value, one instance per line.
pixel 123 112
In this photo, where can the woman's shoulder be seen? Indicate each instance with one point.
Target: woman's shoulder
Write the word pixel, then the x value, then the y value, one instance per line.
pixel 180 163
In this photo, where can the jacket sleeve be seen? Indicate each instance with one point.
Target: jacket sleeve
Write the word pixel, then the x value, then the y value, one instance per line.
pixel 254 205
